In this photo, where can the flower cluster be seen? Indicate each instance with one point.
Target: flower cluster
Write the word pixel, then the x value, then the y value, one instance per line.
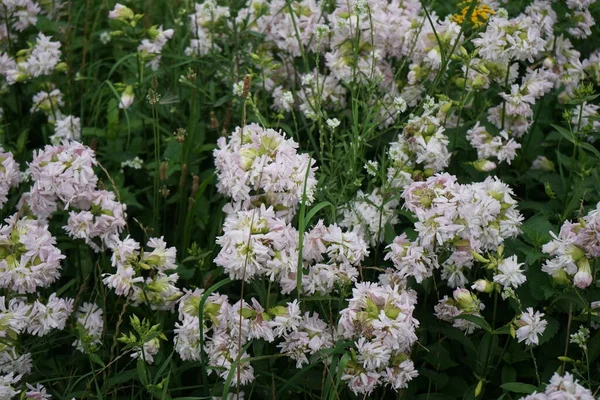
pixel 462 303
pixel 40 59
pixel 16 16
pixel 132 264
pixel 562 387
pixel 90 325
pixel 62 176
pixel 379 319
pixel 465 219
pixel 369 214
pixel 18 317
pixel 29 258
pixel 203 25
pixel 257 243
pixel 421 149
pixel 572 249
pixel 336 255
pixel 257 166
pixel 10 176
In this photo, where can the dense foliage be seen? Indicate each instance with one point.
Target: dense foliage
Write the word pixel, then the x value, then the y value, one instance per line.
pixel 299 199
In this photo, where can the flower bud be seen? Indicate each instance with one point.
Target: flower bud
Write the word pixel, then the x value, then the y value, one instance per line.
pixel 576 253
pixel 127 97
pixel 479 388
pixel 560 277
pixel 121 13
pixel 483 165
pixel 464 298
pixel 478 82
pixel 583 278
pixel 153 32
pixel 61 67
pixel 483 286
pixel 278 311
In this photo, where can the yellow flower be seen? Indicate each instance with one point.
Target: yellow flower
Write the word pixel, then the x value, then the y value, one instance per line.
pixel 480 14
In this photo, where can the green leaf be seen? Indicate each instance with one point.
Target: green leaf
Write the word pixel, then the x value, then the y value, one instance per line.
pixel 537 229
pixel 564 133
pixel 96 358
pixel 316 209
pixel 590 148
pixel 439 357
pixel 551 330
pixel 517 387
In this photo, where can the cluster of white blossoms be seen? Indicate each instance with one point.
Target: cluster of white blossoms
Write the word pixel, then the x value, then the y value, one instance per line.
pixel 29 258
pixel 288 28
pixel 336 255
pixel 572 249
pixel 40 59
pixel 255 243
pixel 10 175
pixel 562 387
pixel 63 178
pixel 358 41
pixel 204 23
pixel 19 317
pixel 133 266
pixel 379 318
pixel 421 149
pixel 464 219
pixel 369 214
pixel 149 49
pixel 89 327
pixel 103 220
pixel 66 127
pixel 260 166
pixel 16 16
pixel 228 327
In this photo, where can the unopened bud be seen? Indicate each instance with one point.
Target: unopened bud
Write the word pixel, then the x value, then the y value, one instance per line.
pixel 583 278
pixel 61 67
pixel 483 286
pixel 464 298
pixel 479 388
pixel 278 311
pixel 483 165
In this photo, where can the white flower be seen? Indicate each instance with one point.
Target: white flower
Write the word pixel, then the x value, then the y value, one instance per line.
pixel 400 104
pixel 332 123
pixel 531 327
pixel 510 274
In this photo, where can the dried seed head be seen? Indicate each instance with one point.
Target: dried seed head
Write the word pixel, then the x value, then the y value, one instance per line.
pixel 213 121
pixel 191 75
pixel 180 135
pixel 195 185
pixel 184 170
pixel 163 171
pixel 153 96
pixel 247 83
